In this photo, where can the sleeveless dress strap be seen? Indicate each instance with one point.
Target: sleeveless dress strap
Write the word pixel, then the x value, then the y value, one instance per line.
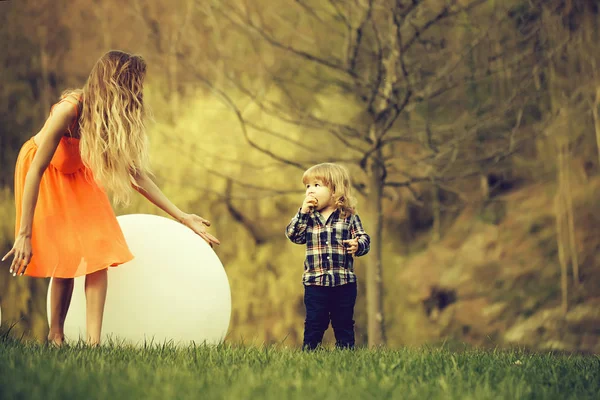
pixel 77 106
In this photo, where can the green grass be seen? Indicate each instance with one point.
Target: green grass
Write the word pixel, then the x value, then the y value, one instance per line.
pixel 34 371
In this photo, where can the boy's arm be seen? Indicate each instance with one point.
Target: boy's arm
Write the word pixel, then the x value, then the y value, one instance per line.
pixel 357 231
pixel 296 230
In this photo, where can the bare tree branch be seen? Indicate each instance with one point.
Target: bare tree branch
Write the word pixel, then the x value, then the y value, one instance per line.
pixel 335 64
pixel 339 14
pixel 375 87
pixel 445 13
pixel 231 104
pixel 359 35
pixel 307 120
pixel 310 11
pixel 190 153
pixel 300 144
pixel 254 227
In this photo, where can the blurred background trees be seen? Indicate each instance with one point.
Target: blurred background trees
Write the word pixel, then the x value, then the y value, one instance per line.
pixel 470 128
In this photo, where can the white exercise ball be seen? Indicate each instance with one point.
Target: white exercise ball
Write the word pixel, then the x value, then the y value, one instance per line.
pixel 175 290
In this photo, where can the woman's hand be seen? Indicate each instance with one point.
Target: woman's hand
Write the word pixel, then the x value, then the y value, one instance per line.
pixel 22 255
pixel 148 189
pixel 198 225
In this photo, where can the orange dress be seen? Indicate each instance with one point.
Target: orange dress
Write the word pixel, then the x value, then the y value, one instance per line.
pixel 75 231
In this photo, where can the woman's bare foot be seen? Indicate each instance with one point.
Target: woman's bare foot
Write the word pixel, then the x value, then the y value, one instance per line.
pixel 56 340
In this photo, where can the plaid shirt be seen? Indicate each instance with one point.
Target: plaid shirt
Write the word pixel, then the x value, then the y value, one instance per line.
pixel 327 263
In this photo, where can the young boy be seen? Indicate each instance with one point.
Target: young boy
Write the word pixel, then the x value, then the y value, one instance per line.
pixel 332 231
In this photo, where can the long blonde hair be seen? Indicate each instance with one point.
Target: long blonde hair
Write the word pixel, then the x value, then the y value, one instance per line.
pixel 113 144
pixel 337 179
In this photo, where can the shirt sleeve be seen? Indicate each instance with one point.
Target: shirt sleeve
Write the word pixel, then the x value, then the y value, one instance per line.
pixel 357 231
pixel 296 230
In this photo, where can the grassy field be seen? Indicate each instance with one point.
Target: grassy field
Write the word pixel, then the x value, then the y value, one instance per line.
pixel 34 371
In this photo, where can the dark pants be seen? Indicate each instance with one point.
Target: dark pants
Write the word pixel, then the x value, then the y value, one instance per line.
pixel 324 304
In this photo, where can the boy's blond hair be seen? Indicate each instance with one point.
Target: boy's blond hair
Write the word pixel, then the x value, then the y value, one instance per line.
pixel 337 179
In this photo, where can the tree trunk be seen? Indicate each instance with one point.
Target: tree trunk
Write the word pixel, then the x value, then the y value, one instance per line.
pixel 102 14
pixel 597 119
pixel 570 218
pixel 172 68
pixel 436 212
pixel 374 282
pixel 565 253
pixel 45 86
pixel 485 187
pixel 559 209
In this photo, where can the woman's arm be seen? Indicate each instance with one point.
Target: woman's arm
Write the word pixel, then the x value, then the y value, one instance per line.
pixel 58 122
pixel 148 189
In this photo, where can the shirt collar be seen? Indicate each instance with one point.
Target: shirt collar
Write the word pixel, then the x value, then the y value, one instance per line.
pixel 333 217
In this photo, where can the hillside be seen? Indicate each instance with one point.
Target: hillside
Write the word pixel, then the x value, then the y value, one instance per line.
pixel 496 281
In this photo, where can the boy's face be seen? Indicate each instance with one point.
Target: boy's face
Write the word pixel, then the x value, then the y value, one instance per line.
pixel 317 189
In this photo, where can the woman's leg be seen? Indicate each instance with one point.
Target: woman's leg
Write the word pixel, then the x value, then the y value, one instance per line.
pixel 60 299
pixel 96 285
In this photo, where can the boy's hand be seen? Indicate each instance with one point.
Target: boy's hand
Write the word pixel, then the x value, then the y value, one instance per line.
pixel 309 203
pixel 351 245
